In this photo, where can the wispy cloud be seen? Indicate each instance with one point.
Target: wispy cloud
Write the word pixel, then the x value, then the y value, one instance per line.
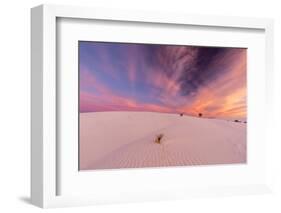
pixel 163 78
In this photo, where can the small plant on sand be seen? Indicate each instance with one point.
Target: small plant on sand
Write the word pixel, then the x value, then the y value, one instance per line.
pixel 237 121
pixel 158 138
pixel 200 114
pixel 181 114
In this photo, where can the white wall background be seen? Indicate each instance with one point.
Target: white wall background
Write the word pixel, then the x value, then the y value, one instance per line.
pixel 15 99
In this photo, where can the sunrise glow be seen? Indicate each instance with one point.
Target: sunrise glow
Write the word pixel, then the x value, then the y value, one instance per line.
pixel 163 78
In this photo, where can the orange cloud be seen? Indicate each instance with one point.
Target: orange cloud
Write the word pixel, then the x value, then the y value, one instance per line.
pixel 176 79
pixel 225 97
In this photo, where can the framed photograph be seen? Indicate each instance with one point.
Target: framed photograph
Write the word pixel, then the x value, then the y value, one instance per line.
pixel 129 106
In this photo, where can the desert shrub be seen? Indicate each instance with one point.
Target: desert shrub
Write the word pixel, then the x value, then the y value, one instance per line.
pixel 236 121
pixel 158 138
pixel 181 114
pixel 200 114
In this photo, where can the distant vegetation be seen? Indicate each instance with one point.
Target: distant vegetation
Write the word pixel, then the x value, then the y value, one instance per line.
pixel 238 121
pixel 199 114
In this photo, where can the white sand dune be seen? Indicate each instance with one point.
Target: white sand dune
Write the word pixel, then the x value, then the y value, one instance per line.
pixel 110 140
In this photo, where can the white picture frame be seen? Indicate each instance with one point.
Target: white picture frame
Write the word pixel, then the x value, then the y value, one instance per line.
pixel 46 168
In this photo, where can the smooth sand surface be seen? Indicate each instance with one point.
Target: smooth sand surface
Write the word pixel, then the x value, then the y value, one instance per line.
pixel 112 140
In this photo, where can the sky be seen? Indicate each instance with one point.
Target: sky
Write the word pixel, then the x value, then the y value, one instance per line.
pixel 163 78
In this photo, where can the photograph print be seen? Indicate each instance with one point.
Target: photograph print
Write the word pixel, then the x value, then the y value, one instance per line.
pixel 161 105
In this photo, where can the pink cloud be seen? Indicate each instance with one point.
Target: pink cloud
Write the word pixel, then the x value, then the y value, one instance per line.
pixel 223 96
pixel 91 102
pixel 226 102
pixel 88 81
